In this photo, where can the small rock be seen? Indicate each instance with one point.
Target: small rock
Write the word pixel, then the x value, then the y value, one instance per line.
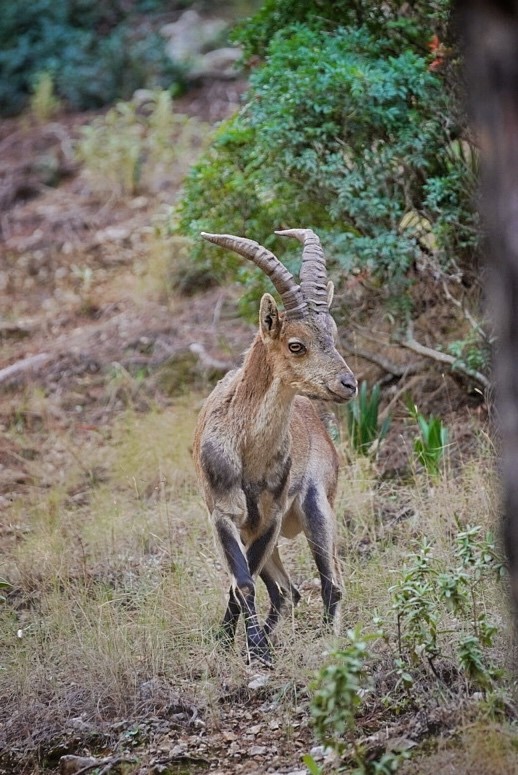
pixel 188 36
pixel 220 62
pixel 258 750
pixel 139 203
pixel 69 764
pixel 319 752
pixel 112 234
pixel 258 681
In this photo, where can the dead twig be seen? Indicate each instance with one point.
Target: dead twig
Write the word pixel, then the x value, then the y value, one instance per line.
pixel 475 325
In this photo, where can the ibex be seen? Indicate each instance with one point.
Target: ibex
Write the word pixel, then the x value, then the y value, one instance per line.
pixel 265 460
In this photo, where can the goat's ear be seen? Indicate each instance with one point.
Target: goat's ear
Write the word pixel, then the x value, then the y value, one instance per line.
pixel 330 294
pixel 269 320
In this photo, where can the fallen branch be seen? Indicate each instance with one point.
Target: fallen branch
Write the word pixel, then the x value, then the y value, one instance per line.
pixel 20 367
pixel 68 764
pixel 396 369
pixel 436 355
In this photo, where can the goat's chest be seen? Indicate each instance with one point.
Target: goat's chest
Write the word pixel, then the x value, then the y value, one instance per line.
pixel 266 492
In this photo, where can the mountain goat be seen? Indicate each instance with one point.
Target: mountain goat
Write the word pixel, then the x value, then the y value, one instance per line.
pixel 264 458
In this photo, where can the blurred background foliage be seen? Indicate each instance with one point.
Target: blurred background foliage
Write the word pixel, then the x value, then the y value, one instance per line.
pixel 96 52
pixel 352 125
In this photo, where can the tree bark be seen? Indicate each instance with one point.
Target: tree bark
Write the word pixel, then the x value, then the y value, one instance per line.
pixel 489 32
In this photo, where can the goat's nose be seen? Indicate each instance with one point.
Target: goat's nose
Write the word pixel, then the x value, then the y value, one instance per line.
pixel 348 380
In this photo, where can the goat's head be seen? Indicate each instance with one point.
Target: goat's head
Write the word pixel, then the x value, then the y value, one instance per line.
pixel 300 340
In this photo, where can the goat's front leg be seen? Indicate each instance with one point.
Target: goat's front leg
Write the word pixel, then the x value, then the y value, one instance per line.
pixel 319 525
pixel 243 565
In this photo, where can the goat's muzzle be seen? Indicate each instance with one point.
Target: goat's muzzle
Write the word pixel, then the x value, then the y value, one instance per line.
pixel 344 387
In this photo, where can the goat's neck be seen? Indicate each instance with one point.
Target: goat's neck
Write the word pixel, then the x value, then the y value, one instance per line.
pixel 265 403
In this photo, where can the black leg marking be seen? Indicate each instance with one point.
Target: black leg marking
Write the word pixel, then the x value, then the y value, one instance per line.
pixel 255 556
pixel 279 486
pixel 256 640
pixel 259 549
pixel 320 540
pixel 231 618
pixel 244 595
pixel 252 493
pixel 279 600
pixel 234 555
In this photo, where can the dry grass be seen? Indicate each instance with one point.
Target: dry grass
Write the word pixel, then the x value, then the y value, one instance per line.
pixel 117 586
pixel 480 748
pixel 137 148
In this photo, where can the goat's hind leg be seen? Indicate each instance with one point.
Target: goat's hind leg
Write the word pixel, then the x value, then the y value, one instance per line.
pixel 280 590
pixel 228 627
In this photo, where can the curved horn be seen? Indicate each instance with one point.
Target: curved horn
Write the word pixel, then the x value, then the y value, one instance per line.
pixel 290 293
pixel 313 276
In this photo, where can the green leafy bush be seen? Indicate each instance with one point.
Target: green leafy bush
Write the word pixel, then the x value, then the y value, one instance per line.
pixel 338 692
pixel 406 28
pixel 346 130
pixel 443 643
pixel 429 590
pixel 473 352
pixel 94 52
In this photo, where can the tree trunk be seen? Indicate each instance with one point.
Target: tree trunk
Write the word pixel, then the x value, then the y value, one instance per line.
pixel 489 31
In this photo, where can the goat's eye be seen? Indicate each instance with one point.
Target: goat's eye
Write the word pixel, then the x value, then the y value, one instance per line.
pixel 297 348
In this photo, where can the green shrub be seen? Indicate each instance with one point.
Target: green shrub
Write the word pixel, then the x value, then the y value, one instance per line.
pixel 430 590
pixel 94 52
pixel 338 692
pixel 348 131
pixel 255 33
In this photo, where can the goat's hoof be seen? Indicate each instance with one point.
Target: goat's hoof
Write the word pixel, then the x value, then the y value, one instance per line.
pixel 263 659
pixel 260 654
